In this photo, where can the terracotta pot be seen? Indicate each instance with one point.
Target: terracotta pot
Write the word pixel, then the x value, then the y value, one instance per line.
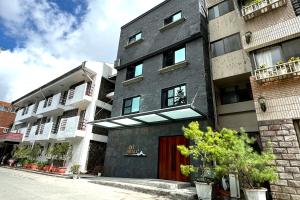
pixel 34 166
pixel 61 170
pixel 28 166
pixel 53 169
pixel 46 168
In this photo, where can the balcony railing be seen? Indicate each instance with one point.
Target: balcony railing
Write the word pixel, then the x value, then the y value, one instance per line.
pixel 81 94
pixel 26 113
pixel 262 7
pixel 51 105
pixel 44 131
pixel 279 71
pixel 71 127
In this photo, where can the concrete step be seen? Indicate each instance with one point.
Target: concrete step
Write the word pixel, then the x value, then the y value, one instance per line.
pixel 173 190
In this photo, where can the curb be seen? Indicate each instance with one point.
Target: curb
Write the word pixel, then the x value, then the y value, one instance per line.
pixel 174 194
pixel 38 172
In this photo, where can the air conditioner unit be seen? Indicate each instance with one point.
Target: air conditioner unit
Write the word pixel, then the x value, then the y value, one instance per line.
pixel 117 62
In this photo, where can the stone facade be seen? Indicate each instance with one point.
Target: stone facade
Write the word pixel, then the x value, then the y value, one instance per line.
pixel 283 138
pixel 276 126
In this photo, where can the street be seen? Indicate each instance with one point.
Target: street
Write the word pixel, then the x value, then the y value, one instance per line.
pixel 19 185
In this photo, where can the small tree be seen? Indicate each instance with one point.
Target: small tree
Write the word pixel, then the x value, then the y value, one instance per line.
pixel 21 153
pixel 232 152
pixel 60 151
pixel 35 152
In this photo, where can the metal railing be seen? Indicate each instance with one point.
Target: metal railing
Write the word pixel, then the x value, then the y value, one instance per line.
pixel 71 93
pixel 263 7
pixel 281 70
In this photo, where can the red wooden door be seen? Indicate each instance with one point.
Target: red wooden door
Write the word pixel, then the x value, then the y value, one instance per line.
pixel 170 158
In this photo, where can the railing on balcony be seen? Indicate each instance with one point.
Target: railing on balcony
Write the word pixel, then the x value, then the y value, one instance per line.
pixel 82 125
pixel 261 7
pixel 63 124
pixel 71 93
pixel 28 131
pixel 279 71
pixel 90 89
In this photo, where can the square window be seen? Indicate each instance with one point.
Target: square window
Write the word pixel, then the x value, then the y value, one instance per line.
pixel 135 37
pixel 131 105
pixel 175 56
pixel 174 96
pixel 134 71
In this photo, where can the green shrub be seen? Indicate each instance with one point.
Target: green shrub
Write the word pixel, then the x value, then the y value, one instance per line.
pixel 232 152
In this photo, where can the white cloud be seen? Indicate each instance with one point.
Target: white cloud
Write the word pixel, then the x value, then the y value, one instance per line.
pixel 55 42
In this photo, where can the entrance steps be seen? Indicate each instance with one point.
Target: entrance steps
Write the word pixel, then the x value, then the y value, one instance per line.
pixel 172 189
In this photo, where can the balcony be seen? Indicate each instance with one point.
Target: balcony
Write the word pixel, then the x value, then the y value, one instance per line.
pixel 264 6
pixel 44 132
pixel 26 113
pixel 11 137
pixel 51 106
pixel 30 134
pixel 280 71
pixel 70 128
pixel 81 96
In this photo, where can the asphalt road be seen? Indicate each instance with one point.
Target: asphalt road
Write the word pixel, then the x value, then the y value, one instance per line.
pixel 19 185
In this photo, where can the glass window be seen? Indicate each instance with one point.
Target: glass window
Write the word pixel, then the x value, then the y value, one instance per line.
pixel 138 70
pixel 131 105
pixel 268 57
pixel 134 71
pixel 180 55
pixel 217 48
pixel 135 37
pixel 232 43
pixel 174 56
pixel 220 9
pixel 177 16
pixel 174 96
pixel 226 45
pixel 173 18
pixel 237 93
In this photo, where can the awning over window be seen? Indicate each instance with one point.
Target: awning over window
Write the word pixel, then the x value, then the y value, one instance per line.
pixel 150 118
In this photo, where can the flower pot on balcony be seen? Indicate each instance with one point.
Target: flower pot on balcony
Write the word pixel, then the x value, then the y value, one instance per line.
pixel 255 194
pixel 282 71
pixel 61 170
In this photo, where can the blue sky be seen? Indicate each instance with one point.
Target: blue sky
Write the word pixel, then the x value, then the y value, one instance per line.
pixel 42 39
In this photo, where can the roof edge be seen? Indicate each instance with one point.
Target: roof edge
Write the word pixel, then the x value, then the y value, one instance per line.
pixel 51 82
pixel 144 14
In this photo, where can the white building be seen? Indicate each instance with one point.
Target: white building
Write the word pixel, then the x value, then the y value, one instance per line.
pixel 59 111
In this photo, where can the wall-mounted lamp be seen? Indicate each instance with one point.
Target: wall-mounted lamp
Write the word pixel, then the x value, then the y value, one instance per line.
pixel 262 102
pixel 248 36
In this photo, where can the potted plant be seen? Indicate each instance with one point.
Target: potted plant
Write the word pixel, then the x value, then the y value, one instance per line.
pixel 59 151
pixel 296 62
pixel 200 151
pixel 234 153
pixel 281 68
pixel 34 154
pixel 262 72
pixel 75 171
pixel 21 153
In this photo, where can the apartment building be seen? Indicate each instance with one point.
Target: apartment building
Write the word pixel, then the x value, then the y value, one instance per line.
pixel 59 111
pixel 7 139
pixel 163 83
pixel 257 44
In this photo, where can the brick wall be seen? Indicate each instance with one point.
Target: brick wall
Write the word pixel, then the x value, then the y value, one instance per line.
pixel 282 135
pixel 282 98
pixel 276 126
pixel 6 118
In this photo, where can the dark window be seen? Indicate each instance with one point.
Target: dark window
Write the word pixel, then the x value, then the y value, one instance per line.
pixel 177 16
pixel 131 105
pixel 174 96
pixel 70 113
pixel 226 45
pixel 135 37
pixel 235 94
pixel 220 9
pixel 174 56
pixel 106 87
pixel 134 71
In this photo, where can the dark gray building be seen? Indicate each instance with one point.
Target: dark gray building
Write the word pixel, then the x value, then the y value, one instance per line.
pixel 163 83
